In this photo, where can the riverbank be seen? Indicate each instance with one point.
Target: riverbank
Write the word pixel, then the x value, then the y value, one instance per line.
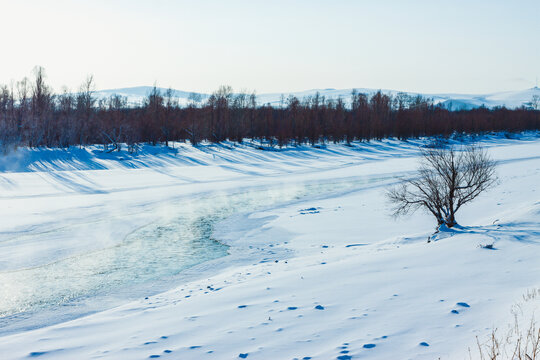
pixel 313 277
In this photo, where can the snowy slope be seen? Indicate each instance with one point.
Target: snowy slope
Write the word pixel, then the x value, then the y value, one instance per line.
pixel 509 99
pixel 316 267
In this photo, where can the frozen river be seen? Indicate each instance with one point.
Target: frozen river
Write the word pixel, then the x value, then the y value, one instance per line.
pixel 149 259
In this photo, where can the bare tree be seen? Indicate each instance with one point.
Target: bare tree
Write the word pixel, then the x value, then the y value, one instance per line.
pixel 166 121
pixel 535 102
pixel 447 179
pixel 154 106
pixel 114 124
pixel 219 103
pixel 65 119
pixel 85 103
pixel 194 98
pixel 42 102
pixel 8 125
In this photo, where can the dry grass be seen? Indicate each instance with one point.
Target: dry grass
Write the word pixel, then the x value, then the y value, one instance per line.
pixel 520 342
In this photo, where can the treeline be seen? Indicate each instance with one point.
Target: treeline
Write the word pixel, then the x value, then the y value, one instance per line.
pixel 32 115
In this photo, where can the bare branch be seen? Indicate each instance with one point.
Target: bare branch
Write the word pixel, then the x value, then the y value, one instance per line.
pixel 447 179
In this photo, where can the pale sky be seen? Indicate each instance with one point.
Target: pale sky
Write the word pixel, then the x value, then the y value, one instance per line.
pixel 429 46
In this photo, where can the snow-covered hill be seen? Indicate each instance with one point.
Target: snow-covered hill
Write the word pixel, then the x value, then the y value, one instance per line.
pixel 136 95
pixel 509 99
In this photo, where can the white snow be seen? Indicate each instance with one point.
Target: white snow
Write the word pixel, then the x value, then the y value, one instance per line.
pixel 316 266
pixel 452 101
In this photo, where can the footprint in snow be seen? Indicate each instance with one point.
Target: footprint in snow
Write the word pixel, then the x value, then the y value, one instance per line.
pixel 461 304
pixel 311 210
pixel 37 353
pixel 243 355
pixel 319 307
pixel 369 346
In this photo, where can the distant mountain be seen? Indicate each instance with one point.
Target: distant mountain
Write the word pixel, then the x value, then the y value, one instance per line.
pixel 509 99
pixel 136 95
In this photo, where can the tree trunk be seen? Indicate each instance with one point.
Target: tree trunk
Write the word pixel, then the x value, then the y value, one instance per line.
pixel 451 220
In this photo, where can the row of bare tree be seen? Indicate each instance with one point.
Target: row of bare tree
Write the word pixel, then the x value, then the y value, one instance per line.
pixel 32 115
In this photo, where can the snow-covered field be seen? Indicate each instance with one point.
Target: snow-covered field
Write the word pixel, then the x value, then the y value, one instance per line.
pixel 224 252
